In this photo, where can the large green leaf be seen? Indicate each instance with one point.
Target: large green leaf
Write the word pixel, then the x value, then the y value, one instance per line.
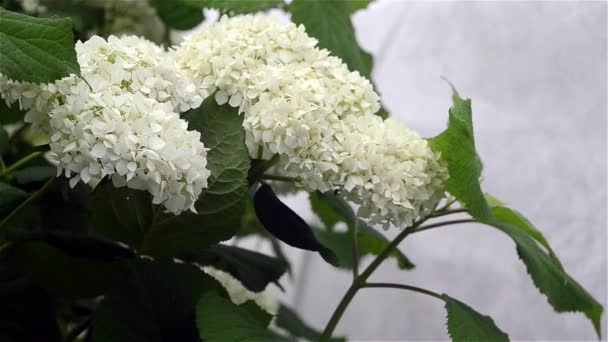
pixel 222 204
pixel 466 324
pixel 563 292
pixel 122 214
pixel 153 301
pixel 506 214
pixel 332 209
pixel 254 270
pixel 36 49
pixel 329 22
pixel 218 319
pixel 128 215
pixel 457 147
pixel 178 14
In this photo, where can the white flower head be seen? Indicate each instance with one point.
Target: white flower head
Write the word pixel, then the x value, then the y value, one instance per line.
pixel 120 120
pixel 306 106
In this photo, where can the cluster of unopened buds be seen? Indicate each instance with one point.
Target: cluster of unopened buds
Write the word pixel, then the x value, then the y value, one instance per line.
pixel 120 118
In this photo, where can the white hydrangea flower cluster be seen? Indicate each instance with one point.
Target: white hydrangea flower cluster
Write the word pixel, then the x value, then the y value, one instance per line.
pixel 306 106
pixel 121 120
pixel 239 294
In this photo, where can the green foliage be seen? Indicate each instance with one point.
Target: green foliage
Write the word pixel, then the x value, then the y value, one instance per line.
pixel 218 319
pixel 127 215
pixel 3 140
pixel 28 312
pixel 239 6
pixel 332 209
pixel 329 22
pixel 10 114
pixel 178 14
pixel 36 49
pixel 289 321
pixel 563 292
pixel 62 275
pixel 152 301
pixel 466 324
pixel 287 226
pixel 9 196
pixel 457 147
pixel 254 270
pixel 33 174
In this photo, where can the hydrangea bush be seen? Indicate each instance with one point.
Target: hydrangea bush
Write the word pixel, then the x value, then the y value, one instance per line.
pixel 128 162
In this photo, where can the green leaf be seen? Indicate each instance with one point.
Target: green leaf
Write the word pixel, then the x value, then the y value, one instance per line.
pixel 466 324
pixel 457 147
pixel 9 197
pixel 218 319
pixel 36 49
pixel 62 275
pixel 121 214
pixel 326 213
pixel 4 146
pixel 128 215
pixel 254 270
pixel 154 301
pixel 332 208
pixel 222 204
pixel 240 6
pixel 286 225
pixel 356 5
pixel 10 114
pixel 28 311
pixel 563 292
pixel 34 174
pixel 329 22
pixel 74 244
pixel 288 320
pixel 178 14
pixel 505 214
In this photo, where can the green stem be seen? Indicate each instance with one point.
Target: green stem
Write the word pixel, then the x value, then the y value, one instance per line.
pixel 445 212
pixel 355 249
pixel 25 203
pixel 403 287
pixel 278 178
pixel 21 162
pixel 441 224
pixel 359 281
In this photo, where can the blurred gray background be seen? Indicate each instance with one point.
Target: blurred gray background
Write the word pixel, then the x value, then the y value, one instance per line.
pixel 536 72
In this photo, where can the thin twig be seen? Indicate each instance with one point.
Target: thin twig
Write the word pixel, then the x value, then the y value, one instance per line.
pixel 21 162
pixel 441 224
pixel 403 287
pixel 355 249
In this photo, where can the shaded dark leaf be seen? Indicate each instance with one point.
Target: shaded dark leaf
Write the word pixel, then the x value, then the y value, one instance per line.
pixel 286 225
pixel 75 244
pixel 218 319
pixel 254 270
pixel 288 320
pixel 154 301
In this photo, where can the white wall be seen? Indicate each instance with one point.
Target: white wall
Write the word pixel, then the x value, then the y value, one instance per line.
pixel 536 72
